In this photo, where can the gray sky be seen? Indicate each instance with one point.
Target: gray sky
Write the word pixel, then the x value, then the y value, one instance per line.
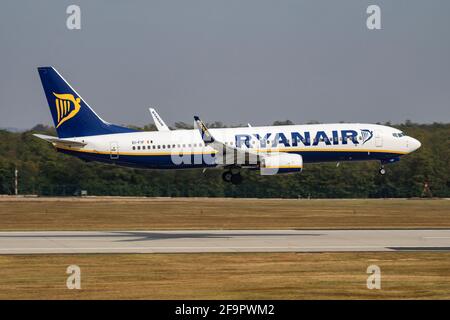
pixel 235 61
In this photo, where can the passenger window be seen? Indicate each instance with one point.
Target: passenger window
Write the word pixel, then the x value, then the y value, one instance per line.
pixel 153 147
pixel 139 148
pixel 134 148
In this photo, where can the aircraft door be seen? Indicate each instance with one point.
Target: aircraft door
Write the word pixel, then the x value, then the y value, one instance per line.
pixel 378 139
pixel 114 150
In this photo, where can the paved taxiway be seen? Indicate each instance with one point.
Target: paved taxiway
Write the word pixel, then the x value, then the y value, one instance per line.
pixel 222 241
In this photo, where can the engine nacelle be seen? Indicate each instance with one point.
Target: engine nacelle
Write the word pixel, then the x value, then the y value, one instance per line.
pixel 281 163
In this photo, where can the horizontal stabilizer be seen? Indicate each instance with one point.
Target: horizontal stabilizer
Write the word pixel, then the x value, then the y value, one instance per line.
pixel 56 140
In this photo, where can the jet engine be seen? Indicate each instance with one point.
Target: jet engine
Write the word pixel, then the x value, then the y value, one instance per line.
pixel 281 163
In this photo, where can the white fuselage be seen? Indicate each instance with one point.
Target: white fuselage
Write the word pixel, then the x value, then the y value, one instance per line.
pixel 315 142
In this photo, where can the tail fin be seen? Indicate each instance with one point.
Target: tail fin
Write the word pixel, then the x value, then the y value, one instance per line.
pixel 72 116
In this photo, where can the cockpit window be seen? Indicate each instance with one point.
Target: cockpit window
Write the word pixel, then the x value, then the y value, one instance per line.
pixel 398 134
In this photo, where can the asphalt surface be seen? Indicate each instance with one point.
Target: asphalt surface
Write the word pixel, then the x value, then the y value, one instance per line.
pixel 65 242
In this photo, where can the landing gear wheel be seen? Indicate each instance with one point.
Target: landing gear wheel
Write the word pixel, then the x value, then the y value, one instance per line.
pixel 382 171
pixel 236 179
pixel 227 176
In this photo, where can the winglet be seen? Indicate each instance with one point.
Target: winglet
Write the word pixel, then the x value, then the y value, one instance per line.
pixel 206 136
pixel 159 123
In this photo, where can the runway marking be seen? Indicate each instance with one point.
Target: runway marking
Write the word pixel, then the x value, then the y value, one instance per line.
pixel 196 241
pixel 436 237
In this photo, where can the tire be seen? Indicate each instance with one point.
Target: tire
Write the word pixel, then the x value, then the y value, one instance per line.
pixel 382 171
pixel 227 176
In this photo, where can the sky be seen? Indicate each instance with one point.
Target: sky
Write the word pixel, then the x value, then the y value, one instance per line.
pixel 235 61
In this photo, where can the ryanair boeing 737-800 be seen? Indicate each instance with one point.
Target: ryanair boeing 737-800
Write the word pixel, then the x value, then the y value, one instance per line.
pixel 270 149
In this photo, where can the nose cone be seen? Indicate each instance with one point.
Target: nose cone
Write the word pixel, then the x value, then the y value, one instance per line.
pixel 414 144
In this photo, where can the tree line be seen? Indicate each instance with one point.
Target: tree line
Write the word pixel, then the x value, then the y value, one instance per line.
pixel 43 171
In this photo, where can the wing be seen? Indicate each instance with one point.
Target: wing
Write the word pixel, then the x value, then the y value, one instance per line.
pixel 227 155
pixel 58 141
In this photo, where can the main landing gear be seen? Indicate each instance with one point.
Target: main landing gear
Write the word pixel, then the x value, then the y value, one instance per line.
pixel 234 178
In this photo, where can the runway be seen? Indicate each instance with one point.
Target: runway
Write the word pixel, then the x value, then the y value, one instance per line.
pixel 68 242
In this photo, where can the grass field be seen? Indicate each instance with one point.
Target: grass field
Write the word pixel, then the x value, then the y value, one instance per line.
pixel 228 276
pixel 175 214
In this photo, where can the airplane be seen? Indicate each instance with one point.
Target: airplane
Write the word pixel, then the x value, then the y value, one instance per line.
pixel 269 149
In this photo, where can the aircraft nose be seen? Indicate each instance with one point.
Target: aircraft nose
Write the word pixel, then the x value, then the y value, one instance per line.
pixel 414 144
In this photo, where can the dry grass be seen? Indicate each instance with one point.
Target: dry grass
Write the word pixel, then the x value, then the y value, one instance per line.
pixel 224 276
pixel 227 276
pixel 203 213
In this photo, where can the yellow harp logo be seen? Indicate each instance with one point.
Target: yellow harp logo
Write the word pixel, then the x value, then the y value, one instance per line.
pixel 67 106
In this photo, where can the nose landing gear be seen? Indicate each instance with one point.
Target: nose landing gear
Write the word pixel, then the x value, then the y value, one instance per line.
pixel 382 170
pixel 234 178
